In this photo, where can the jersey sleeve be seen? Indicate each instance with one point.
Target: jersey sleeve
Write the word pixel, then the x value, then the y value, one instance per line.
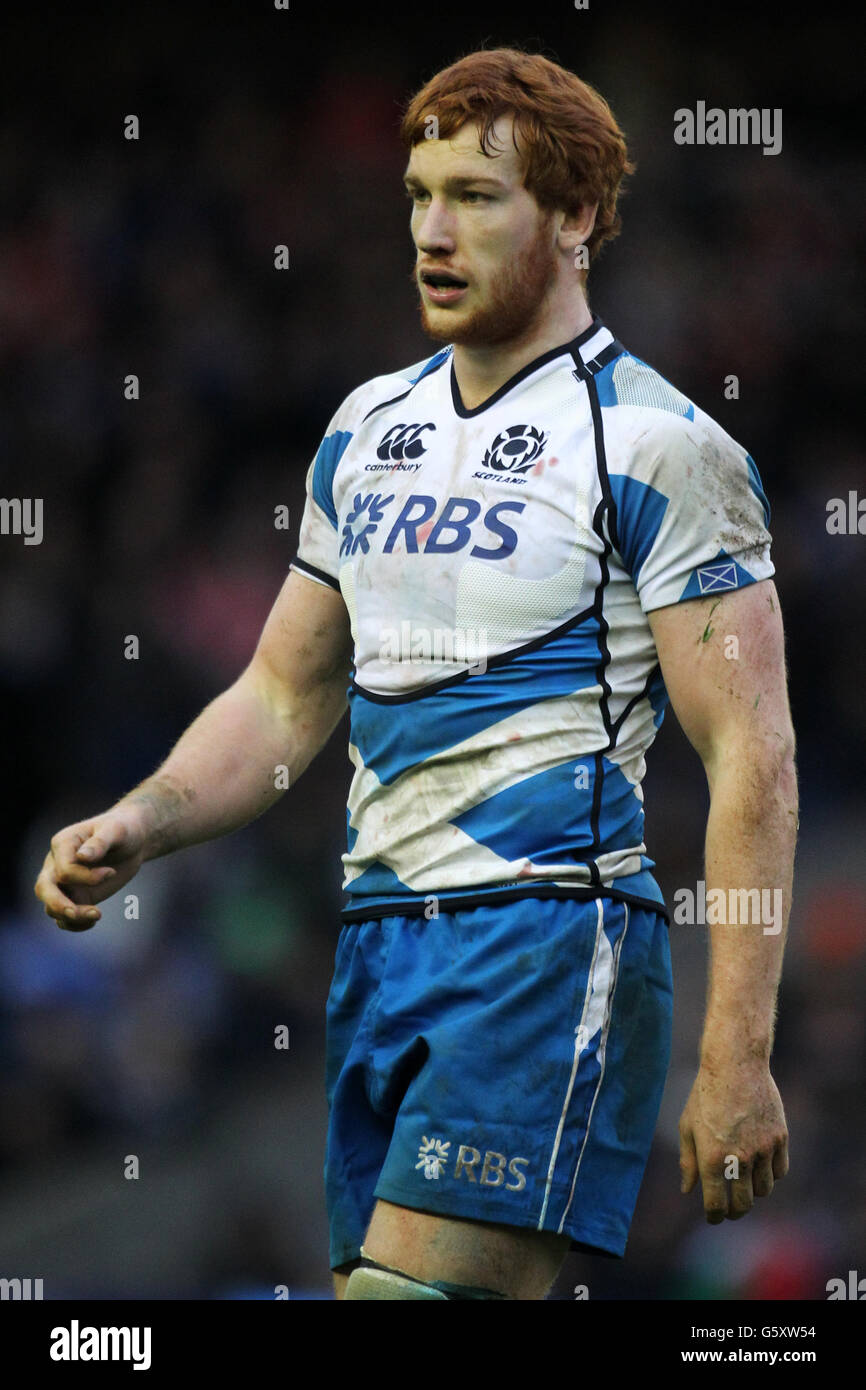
pixel 318 545
pixel 691 513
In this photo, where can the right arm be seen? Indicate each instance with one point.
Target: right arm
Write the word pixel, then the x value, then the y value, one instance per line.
pixel 221 774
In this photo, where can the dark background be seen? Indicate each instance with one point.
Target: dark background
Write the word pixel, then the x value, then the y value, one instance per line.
pixel 154 1037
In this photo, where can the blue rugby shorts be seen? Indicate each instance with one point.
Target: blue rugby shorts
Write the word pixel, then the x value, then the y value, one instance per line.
pixel 500 1063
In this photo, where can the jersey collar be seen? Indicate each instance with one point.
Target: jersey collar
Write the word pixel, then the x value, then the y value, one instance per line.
pixel 592 340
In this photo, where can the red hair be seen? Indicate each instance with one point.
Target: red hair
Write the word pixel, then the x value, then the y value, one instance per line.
pixel 572 148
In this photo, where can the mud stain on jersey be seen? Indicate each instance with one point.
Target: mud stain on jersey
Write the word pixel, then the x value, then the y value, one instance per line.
pixel 728 495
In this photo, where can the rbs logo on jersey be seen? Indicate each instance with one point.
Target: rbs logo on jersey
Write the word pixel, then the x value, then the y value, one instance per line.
pixel 453 529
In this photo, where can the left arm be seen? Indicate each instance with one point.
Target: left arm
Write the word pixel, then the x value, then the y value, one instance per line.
pixel 723 662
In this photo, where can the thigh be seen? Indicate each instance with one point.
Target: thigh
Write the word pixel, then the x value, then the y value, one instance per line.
pixel 519 1263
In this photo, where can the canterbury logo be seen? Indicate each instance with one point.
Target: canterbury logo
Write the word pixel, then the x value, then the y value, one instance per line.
pixel 403 442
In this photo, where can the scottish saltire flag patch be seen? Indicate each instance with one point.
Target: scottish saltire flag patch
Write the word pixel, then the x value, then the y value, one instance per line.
pixel 713 578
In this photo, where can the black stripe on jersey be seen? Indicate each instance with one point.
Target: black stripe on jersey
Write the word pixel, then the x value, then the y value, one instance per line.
pixel 604 525
pixel 415 907
pixel 502 660
pixel 606 356
pixel 316 573
pixel 429 370
pixel 635 700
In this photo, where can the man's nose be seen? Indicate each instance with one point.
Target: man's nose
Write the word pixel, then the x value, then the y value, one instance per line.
pixel 437 229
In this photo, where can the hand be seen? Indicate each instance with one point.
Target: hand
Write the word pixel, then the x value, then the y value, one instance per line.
pixel 86 863
pixel 734 1111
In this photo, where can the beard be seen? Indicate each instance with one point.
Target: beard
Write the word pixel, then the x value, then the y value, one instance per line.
pixel 512 305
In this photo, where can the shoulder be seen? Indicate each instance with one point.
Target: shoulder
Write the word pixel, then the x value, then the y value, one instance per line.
pixel 628 384
pixel 656 434
pixel 380 390
pixel 350 415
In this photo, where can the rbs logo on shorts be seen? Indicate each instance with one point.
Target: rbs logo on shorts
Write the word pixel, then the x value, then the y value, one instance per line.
pixel 435 1155
pixel 493 1172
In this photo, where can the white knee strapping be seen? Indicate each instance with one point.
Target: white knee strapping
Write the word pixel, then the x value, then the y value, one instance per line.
pixel 369 1283
pixel 372 1280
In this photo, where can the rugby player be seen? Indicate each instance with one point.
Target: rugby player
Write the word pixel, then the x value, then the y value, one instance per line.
pixel 513 554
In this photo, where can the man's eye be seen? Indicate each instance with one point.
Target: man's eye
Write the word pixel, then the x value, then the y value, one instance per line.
pixel 417 195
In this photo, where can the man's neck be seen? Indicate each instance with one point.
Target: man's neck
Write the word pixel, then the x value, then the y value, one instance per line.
pixel 480 371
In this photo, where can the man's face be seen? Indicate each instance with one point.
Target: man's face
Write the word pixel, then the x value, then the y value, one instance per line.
pixel 472 219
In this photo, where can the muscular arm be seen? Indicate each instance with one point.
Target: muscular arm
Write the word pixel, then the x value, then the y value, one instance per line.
pixel 723 663
pixel 222 773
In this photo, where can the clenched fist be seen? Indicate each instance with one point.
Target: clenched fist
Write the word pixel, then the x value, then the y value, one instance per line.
pixel 88 862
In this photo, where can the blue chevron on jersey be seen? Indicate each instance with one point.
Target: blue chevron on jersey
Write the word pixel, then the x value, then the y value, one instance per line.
pixel 498 565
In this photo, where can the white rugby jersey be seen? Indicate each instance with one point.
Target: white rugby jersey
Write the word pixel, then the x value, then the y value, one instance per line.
pixel 498 565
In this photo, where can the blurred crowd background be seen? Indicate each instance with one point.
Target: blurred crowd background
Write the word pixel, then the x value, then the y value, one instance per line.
pixel 154 1037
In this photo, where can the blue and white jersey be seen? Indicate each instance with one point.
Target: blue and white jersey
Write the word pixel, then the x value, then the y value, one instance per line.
pixel 498 565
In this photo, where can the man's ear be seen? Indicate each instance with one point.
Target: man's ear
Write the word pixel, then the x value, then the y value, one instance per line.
pixel 577 227
pixel 574 233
